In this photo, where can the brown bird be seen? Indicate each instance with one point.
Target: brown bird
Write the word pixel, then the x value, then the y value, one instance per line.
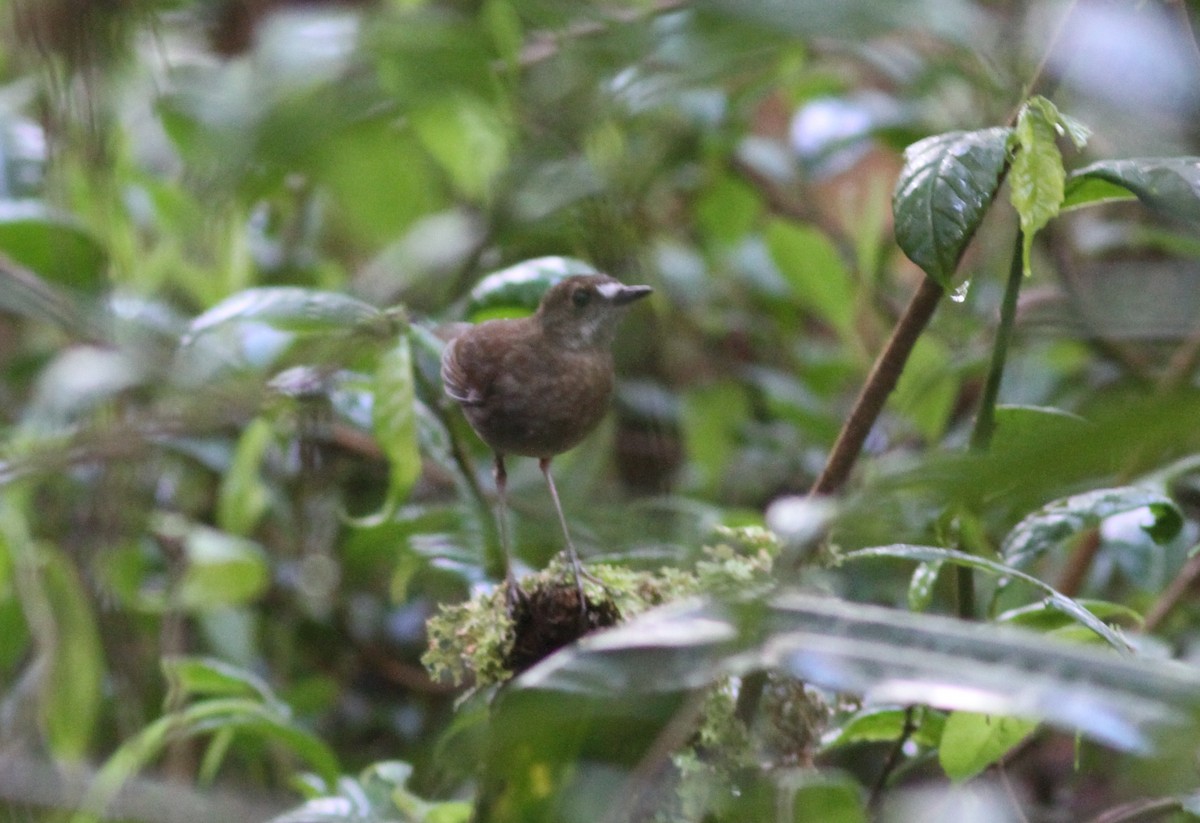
pixel 537 386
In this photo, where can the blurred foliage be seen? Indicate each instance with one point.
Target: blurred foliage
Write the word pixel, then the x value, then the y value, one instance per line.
pixel 235 508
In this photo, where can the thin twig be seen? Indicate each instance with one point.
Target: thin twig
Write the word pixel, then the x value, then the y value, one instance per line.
pixel 1138 810
pixel 670 740
pixel 1185 23
pixel 893 758
pixel 546 44
pixel 1183 583
pixel 1011 791
pixel 985 421
pixel 1181 366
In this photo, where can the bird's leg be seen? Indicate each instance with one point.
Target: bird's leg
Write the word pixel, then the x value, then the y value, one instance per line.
pixel 513 593
pixel 576 568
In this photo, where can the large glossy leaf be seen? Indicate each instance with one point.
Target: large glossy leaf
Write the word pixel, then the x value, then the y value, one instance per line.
pixel 945 188
pixel 1167 184
pixel 1044 462
pixel 53 245
pixel 1054 598
pixel 24 292
pixel 1057 522
pixel 77 381
pixel 289 309
pixel 469 139
pixel 520 287
pixel 971 741
pixel 888 656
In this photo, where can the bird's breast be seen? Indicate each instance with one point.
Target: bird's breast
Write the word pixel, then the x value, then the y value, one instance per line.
pixel 543 401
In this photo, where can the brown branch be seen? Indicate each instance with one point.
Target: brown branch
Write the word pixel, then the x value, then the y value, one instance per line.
pixel 1181 366
pixel 1173 595
pixel 880 383
pixel 546 44
pixel 1139 810
pixel 1079 563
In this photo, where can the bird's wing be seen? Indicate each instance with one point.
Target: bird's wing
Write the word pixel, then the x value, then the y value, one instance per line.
pixel 455 378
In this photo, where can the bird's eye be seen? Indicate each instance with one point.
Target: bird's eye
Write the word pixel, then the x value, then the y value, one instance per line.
pixel 580 297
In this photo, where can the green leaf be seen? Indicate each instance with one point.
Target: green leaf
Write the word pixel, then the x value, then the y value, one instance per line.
pixel 520 287
pixel 821 797
pixel 1170 185
pixel 1086 191
pixel 52 245
pixel 1037 178
pixel 71 691
pixel 24 292
pixel 68 669
pixel 971 742
pixel 921 586
pixel 77 381
pixel 713 417
pixel 244 497
pixel 1055 523
pixel 876 724
pixel 224 715
pixel 887 655
pixel 192 676
pixel 1017 426
pixel 378 795
pixel 394 423
pixel 222 569
pixel 728 210
pixel 503 25
pixel 932 554
pixel 815 271
pixel 394 418
pixel 945 188
pixel 290 309
pixel 1044 617
pixel 467 137
pixel 370 206
pixel 928 387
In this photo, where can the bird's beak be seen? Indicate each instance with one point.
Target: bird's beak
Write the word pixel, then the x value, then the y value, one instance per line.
pixel 619 294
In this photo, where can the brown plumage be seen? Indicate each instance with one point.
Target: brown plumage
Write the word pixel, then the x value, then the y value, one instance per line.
pixel 537 386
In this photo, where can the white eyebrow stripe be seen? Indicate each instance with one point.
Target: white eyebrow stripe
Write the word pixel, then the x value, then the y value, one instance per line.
pixel 609 290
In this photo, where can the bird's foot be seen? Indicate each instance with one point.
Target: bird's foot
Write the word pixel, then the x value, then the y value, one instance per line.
pixel 579 574
pixel 514 595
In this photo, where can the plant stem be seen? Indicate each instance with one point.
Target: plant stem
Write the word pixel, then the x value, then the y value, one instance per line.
pixel 880 382
pixel 964 589
pixel 893 759
pixel 985 421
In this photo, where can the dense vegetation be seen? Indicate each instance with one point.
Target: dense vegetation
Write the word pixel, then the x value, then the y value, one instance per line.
pixel 933 261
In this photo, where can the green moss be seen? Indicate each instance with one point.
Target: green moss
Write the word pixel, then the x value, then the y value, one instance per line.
pixel 470 641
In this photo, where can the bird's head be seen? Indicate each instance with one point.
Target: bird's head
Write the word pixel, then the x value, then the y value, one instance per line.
pixel 582 311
